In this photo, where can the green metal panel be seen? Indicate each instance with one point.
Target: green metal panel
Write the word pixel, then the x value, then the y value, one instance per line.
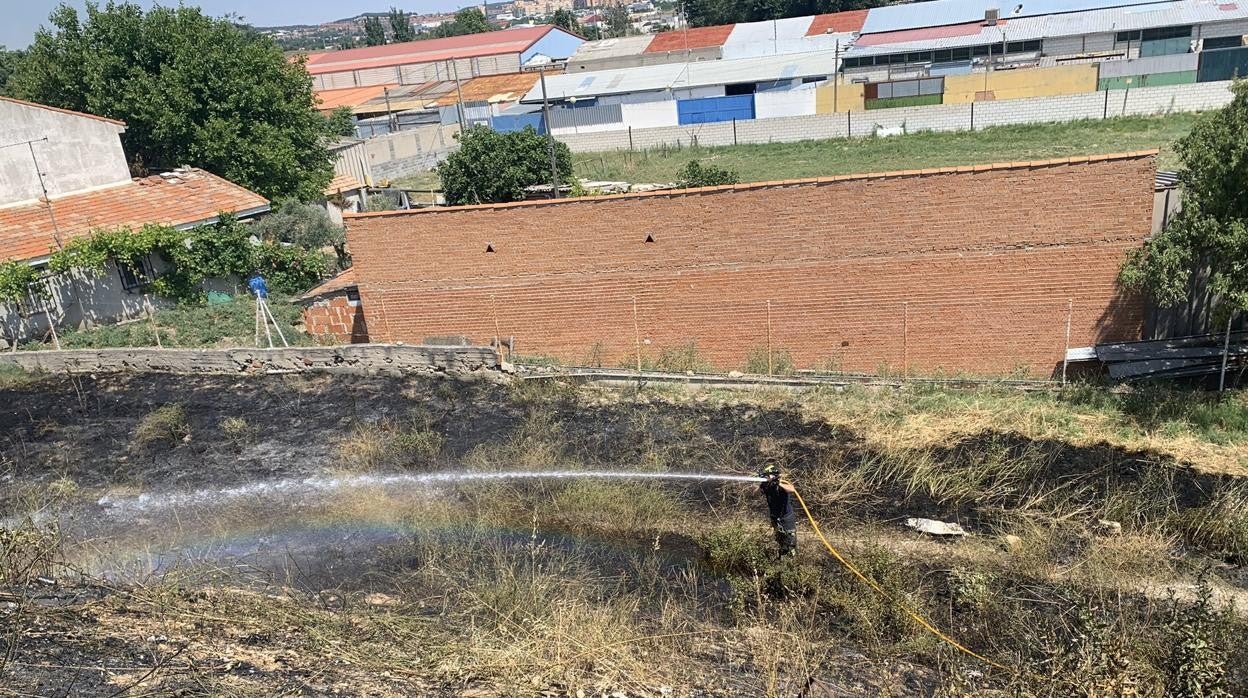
pixel 1223 64
pixel 916 101
pixel 1182 77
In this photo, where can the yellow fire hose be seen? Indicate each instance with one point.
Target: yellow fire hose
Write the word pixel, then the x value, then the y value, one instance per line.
pixel 927 625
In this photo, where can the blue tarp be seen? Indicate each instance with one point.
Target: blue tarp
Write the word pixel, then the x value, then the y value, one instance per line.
pixel 713 109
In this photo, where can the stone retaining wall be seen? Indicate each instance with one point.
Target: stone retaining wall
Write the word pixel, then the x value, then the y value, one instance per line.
pixel 362 359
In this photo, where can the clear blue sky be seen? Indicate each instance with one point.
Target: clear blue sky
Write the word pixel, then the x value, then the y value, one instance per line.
pixel 20 18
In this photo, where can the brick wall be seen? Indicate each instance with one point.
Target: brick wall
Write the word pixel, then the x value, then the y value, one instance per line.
pixel 336 317
pixel 960 270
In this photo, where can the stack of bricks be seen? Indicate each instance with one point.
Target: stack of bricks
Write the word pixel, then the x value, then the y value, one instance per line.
pixel 969 270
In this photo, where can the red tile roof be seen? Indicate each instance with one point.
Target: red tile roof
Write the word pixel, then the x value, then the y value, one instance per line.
pixel 189 196
pixel 63 111
pixel 903 36
pixel 345 280
pixel 679 40
pixel 767 185
pixel 838 23
pixel 428 50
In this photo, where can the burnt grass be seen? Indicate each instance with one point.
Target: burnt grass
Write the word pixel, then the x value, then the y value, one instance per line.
pixel 83 429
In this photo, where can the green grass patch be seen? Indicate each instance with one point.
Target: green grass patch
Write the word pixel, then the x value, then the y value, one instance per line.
pixel 231 324
pixel 777 161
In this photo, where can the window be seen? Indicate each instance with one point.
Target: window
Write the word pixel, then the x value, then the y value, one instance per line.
pixel 1224 42
pixel 746 88
pixel 135 276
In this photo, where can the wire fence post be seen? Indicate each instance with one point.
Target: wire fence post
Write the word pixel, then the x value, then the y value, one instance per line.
pixel 1226 351
pixel 905 339
pixel 972 115
pixel 498 346
pixel 637 337
pixel 734 132
pixel 1070 310
pixel 769 363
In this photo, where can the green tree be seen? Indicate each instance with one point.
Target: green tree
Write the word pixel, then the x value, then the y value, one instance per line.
pixel 493 167
pixel 8 64
pixel 307 226
pixel 618 21
pixel 1211 231
pixel 467 21
pixel 695 174
pixel 703 13
pixel 374 32
pixel 192 90
pixel 401 26
pixel 566 20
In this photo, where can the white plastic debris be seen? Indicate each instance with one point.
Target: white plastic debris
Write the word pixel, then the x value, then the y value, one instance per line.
pixel 935 528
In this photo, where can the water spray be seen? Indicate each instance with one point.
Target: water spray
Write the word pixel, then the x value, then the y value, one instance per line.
pixel 314 485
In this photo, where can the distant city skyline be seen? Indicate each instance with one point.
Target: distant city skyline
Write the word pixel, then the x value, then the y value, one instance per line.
pixel 22 19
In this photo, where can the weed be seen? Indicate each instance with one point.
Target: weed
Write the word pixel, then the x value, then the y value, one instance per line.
pixel 236 430
pixel 12 376
pixel 1200 637
pixel 165 426
pixel 779 363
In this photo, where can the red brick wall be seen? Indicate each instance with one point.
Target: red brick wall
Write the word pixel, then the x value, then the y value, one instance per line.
pixel 336 318
pixel 966 270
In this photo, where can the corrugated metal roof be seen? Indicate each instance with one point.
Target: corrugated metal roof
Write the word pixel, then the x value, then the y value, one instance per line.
pixel 941 12
pixel 611 48
pixel 685 75
pixel 1164 14
pixel 785 36
pixel 515 40
pixel 493 89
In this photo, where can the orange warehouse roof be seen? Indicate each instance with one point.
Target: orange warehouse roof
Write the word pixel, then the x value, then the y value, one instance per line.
pixel 702 37
pixel 328 100
pixel 427 51
pixel 838 23
pixel 184 197
pixel 509 87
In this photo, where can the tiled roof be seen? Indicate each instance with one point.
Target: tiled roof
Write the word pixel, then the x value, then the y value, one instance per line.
pixel 784 183
pixel 428 50
pixel 178 198
pixel 680 40
pixel 63 111
pixel 342 282
pixel 341 183
pixel 509 87
pixel 837 23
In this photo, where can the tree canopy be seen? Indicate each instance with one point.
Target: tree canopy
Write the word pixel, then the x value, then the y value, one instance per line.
pixel 493 167
pixel 8 63
pixel 1211 230
pixel 401 25
pixel 192 90
pixel 467 21
pixel 704 13
pixel 566 19
pixel 617 22
pixel 374 32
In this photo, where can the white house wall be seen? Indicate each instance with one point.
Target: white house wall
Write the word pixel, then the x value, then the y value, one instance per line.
pixel 79 153
pixel 651 114
pixel 768 105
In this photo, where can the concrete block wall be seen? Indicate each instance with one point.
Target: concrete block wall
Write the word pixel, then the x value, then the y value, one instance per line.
pixel 362 359
pixel 940 117
pixel 901 272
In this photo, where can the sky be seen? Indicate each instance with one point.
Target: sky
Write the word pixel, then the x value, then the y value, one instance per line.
pixel 20 18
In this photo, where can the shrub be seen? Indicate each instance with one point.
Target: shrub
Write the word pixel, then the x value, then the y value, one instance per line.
pixel 163 426
pixel 493 167
pixel 695 174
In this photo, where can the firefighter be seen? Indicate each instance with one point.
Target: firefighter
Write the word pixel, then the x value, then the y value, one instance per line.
pixel 780 496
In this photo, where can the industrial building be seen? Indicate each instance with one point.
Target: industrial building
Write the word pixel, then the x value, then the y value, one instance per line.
pixel 438 60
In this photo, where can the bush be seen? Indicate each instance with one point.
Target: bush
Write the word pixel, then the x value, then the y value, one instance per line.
pixel 163 426
pixel 695 175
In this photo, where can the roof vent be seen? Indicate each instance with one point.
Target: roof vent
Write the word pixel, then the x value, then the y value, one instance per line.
pixel 991 15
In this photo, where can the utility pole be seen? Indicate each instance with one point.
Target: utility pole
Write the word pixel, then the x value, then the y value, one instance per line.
pixel 459 90
pixel 836 76
pixel 550 135
pixel 390 119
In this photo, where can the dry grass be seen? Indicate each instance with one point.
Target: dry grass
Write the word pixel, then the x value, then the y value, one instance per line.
pixel 165 426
